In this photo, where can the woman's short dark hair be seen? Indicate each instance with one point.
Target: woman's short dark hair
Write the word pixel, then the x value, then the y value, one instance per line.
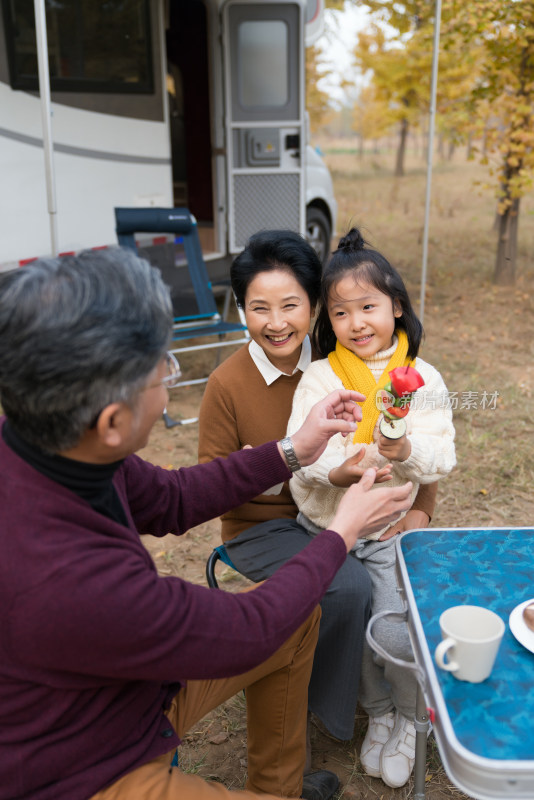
pixel 278 249
pixel 77 333
pixel 367 266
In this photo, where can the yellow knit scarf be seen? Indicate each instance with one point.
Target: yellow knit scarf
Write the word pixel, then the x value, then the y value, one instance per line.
pixel 356 375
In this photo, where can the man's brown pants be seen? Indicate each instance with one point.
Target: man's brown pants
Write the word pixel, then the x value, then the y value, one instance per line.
pixel 277 699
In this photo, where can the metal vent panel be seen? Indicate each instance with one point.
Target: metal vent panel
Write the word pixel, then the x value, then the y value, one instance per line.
pixel 263 202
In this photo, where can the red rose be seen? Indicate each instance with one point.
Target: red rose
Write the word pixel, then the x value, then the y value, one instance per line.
pixel 405 381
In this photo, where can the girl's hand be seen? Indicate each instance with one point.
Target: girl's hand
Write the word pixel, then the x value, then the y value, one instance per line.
pixel 414 519
pixel 394 449
pixel 350 471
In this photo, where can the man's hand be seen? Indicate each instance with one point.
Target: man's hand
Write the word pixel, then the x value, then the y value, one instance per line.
pixel 363 511
pixel 350 472
pixel 411 521
pixel 394 449
pixel 337 413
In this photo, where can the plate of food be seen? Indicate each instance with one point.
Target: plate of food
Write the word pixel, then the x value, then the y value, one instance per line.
pixel 522 624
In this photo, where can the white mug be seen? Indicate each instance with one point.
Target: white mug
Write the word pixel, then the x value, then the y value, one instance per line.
pixel 471 638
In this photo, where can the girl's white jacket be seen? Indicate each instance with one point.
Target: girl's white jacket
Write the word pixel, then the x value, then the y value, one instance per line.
pixel 429 429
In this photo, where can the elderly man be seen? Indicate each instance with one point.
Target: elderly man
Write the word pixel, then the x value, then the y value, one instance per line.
pixel 103 664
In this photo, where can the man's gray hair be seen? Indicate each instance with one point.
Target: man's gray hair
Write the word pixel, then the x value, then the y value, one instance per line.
pixel 77 333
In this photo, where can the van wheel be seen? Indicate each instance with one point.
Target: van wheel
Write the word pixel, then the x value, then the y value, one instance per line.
pixel 318 232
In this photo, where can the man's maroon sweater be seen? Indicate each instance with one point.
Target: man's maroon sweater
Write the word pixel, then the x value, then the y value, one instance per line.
pixel 94 644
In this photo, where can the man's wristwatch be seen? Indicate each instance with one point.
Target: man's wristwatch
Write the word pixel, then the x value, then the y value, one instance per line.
pixel 289 452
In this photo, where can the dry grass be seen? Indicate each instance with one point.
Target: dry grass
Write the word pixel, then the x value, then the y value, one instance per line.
pixel 482 340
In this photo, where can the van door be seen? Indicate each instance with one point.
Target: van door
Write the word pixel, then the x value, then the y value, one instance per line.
pixel 264 116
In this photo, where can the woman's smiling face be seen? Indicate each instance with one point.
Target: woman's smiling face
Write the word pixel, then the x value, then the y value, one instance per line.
pixel 278 314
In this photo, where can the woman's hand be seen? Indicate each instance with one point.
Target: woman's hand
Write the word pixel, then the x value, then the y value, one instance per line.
pixel 394 449
pixel 350 471
pixel 413 520
pixel 362 511
pixel 337 413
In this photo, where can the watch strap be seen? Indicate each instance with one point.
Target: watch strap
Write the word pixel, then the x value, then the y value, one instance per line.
pixel 289 451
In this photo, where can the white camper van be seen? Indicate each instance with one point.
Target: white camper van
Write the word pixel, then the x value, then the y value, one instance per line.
pixel 196 103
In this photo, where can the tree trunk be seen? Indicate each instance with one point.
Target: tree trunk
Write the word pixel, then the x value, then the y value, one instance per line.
pixel 399 166
pixel 469 151
pixel 507 246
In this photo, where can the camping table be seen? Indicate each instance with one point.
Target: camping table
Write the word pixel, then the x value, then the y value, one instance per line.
pixel 485 731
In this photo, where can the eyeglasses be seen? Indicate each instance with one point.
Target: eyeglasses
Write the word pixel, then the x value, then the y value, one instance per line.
pixel 170 380
pixel 174 373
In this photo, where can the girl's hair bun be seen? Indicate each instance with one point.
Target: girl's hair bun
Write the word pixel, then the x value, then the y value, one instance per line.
pixel 352 241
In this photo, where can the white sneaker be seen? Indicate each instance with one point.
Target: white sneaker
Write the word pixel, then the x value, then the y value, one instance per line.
pixel 398 754
pixel 378 733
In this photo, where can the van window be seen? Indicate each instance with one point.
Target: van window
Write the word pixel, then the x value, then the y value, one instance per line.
pixel 263 63
pixel 93 47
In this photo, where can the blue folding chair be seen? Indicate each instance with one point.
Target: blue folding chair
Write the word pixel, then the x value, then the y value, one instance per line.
pixel 196 313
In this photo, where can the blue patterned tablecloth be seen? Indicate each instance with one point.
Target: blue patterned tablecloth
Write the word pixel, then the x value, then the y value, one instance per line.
pixel 493 568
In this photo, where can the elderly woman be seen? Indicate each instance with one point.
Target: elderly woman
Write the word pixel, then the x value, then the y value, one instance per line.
pixel 276 281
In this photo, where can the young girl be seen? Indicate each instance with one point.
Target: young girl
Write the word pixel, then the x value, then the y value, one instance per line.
pixel 365 328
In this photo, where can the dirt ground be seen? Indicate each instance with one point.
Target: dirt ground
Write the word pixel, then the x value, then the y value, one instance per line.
pixel 482 340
